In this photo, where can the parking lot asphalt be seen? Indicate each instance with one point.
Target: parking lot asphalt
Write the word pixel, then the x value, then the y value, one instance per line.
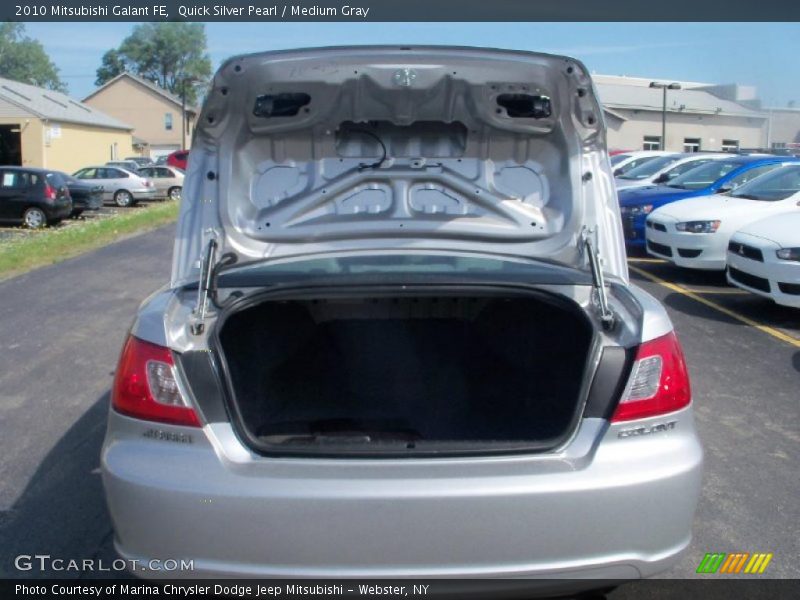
pixel 61 329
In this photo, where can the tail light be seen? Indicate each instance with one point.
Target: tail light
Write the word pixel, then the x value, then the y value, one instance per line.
pixel 145 386
pixel 49 192
pixel 659 381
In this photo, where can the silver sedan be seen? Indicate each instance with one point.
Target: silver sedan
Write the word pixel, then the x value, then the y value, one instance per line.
pixel 120 186
pixel 168 181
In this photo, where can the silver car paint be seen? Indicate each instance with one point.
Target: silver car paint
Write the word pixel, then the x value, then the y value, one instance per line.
pixel 522 516
pixel 261 192
pixel 602 506
pixel 161 181
pixel 133 183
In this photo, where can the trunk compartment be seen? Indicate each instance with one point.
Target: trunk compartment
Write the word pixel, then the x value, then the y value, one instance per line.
pixel 406 372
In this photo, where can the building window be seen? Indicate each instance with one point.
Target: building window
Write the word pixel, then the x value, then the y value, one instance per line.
pixel 168 121
pixel 651 142
pixel 730 145
pixel 778 145
pixel 691 144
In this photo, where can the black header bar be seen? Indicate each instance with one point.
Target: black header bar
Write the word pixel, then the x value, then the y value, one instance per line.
pixel 402 10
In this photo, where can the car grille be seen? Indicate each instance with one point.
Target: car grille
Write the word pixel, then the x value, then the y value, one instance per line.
pixel 792 289
pixel 689 252
pixel 746 251
pixel 751 281
pixel 659 248
pixel 629 228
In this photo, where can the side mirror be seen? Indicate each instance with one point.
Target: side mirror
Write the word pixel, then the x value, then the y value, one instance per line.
pixel 724 190
pixel 617 172
pixel 663 178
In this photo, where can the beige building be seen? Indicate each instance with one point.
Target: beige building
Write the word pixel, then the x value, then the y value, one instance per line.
pixel 699 116
pixel 154 113
pixel 784 129
pixel 43 128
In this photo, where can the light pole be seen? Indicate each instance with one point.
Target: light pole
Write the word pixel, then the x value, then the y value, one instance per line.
pixel 664 87
pixel 184 81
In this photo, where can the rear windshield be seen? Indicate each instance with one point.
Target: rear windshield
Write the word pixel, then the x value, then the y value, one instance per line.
pixel 704 175
pixel 651 167
pixel 618 158
pixel 55 179
pixel 775 185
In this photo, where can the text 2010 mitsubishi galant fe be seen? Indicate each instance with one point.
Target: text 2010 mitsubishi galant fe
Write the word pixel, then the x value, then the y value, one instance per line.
pixel 399 338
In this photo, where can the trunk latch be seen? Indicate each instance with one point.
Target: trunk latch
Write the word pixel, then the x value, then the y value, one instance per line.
pixel 598 281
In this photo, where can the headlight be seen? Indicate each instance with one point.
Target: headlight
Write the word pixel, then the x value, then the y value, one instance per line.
pixel 698 226
pixel 789 254
pixel 644 209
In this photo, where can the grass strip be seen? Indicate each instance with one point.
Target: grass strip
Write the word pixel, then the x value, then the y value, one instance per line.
pixel 52 245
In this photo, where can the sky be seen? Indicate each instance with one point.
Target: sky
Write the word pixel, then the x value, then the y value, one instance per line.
pixel 765 55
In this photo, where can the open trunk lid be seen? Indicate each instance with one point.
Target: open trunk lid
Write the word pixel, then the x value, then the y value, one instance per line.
pixel 420 148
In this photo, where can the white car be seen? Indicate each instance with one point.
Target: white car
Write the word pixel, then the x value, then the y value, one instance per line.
pixel 764 258
pixel 622 163
pixel 694 233
pixel 662 169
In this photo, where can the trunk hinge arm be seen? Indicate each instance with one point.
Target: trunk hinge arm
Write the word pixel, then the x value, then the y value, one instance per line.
pixel 598 280
pixel 205 287
pixel 207 284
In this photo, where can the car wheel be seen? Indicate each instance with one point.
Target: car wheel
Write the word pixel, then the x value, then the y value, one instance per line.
pixel 34 218
pixel 123 198
pixel 174 193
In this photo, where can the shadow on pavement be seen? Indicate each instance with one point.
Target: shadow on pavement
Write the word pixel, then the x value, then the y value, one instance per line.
pixel 62 511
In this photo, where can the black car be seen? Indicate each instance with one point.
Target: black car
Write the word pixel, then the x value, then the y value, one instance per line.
pixel 33 197
pixel 85 195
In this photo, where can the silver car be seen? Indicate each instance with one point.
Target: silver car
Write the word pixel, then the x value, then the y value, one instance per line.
pixel 168 181
pixel 399 338
pixel 120 186
pixel 128 164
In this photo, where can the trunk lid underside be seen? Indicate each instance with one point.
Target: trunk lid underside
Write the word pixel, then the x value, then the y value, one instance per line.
pixel 343 149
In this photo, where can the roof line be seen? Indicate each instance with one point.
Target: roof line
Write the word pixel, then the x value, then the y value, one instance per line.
pixel 616 114
pixel 22 106
pixel 688 111
pixel 149 85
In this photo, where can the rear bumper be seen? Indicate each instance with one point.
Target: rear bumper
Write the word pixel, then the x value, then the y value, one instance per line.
pixel 59 211
pixel 622 511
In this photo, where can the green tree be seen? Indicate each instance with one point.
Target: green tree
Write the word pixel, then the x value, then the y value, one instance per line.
pixel 113 64
pixel 168 54
pixel 24 59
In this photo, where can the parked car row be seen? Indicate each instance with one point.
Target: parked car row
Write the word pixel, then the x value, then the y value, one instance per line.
pixel 36 197
pixel 40 197
pixel 127 186
pixel 737 213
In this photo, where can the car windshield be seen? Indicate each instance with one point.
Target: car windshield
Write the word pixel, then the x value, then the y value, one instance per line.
pixel 651 167
pixel 775 185
pixel 704 175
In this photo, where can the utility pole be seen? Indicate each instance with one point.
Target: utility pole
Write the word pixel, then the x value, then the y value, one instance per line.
pixel 664 87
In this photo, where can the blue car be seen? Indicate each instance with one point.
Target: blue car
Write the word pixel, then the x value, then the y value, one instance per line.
pixel 715 177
